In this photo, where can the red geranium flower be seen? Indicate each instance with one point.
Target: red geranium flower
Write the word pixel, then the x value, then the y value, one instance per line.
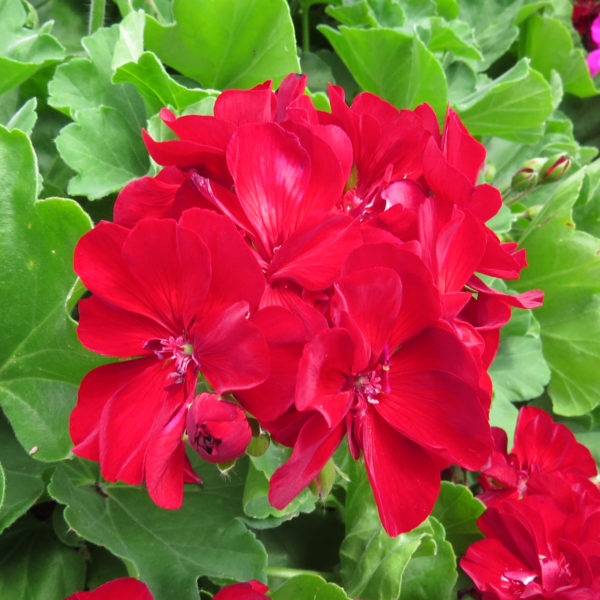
pixel 125 588
pixel 396 381
pixel 536 551
pixel 177 297
pixel 545 459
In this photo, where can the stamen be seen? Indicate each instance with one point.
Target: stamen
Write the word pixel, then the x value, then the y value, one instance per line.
pixel 177 350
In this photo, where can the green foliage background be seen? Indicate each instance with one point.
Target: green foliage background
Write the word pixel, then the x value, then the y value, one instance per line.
pixel 78 81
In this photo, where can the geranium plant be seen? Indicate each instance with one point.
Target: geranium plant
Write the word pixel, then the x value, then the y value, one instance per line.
pixel 300 300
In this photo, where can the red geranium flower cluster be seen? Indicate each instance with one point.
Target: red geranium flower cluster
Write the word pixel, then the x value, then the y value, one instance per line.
pixel 320 268
pixel 542 522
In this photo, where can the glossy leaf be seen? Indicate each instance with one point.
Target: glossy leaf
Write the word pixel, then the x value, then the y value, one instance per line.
pixel 229 43
pixel 41 360
pixel 169 550
pixel 565 263
pixel 23 51
pixel 372 562
pixel 457 510
pixel 395 65
pixel 513 106
pixel 22 482
pixel 308 587
pixel 34 564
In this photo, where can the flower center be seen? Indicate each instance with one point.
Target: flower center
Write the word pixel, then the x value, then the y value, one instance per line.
pixel 204 440
pixel 176 350
pixel 368 384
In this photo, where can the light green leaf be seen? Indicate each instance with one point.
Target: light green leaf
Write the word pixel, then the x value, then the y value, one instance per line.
pixel 104 145
pixel 168 549
pixel 41 360
pixel 255 500
pixel 392 64
pixel 514 106
pixel 457 510
pixel 227 43
pixel 308 587
pixel 23 483
pixel 565 263
pixel 455 36
pixel 519 371
pixel 372 561
pixel 431 571
pixel 35 566
pixel 369 13
pixel 25 118
pixel 561 56
pixel 23 51
pixel 130 44
pixel 156 86
pixel 493 22
pixel 98 146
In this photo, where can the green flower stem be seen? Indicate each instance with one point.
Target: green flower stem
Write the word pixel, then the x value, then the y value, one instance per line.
pixel 97 10
pixel 305 26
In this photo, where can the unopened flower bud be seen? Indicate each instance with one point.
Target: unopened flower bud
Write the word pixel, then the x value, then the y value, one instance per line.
pixel 527 176
pixel 217 429
pixel 554 168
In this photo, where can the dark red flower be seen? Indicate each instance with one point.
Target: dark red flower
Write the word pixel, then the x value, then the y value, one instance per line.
pixel 217 429
pixel 177 297
pixel 125 588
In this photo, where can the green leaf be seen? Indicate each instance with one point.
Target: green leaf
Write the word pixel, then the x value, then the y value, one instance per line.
pixel 2 485
pixel 373 13
pixel 156 86
pixel 519 371
pixel 455 36
pixel 561 56
pixel 457 510
pixel 493 22
pixel 23 482
pixel 41 360
pixel 227 44
pixel 102 567
pixel 308 587
pixel 168 549
pixel 98 146
pixel 23 51
pixel 372 561
pixel 35 566
pixel 565 263
pixel 255 500
pixel 25 118
pixel 392 64
pixel 514 106
pixel 431 571
pixel 104 145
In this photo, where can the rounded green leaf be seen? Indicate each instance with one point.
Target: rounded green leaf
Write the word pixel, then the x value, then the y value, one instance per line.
pixel 41 360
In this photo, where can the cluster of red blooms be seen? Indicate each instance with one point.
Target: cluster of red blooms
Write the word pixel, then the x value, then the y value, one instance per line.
pixel 542 521
pixel 128 588
pixel 320 270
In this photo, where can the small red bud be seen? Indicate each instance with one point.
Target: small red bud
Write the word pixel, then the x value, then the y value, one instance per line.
pixel 217 429
pixel 554 168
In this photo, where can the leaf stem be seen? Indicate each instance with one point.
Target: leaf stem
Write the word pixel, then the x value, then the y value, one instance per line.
pixel 288 573
pixel 97 12
pixel 305 26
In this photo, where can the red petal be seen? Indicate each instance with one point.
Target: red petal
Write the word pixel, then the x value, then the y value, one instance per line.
pixel 164 463
pixel 235 271
pixel 232 353
pixel 271 171
pixel 316 443
pixel 404 478
pixel 257 105
pixel 131 419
